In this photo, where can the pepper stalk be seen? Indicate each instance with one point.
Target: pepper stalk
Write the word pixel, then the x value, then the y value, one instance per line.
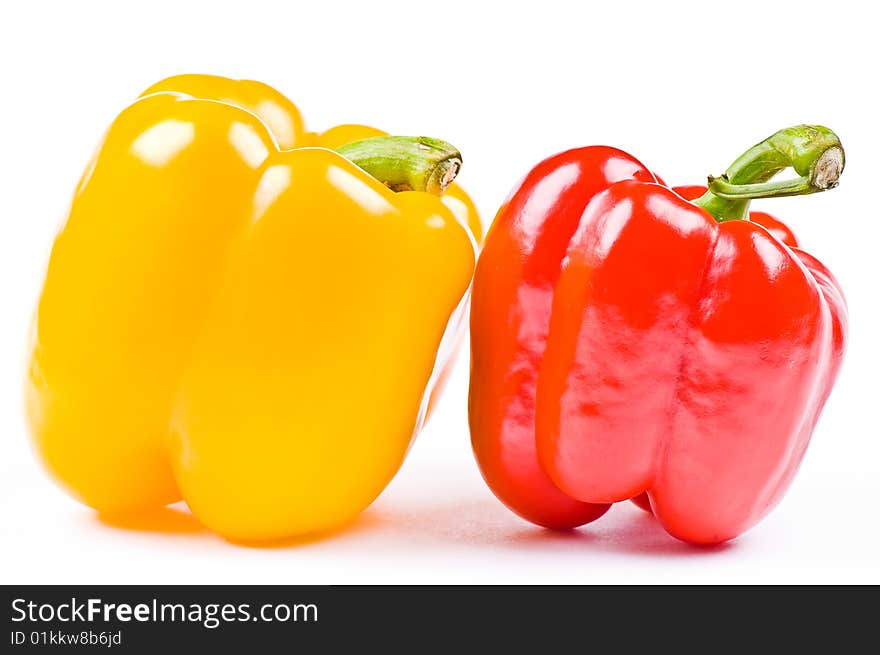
pixel 813 151
pixel 406 163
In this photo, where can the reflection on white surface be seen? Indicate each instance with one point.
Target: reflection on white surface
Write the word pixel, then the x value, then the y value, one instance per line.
pixel 358 190
pixel 248 144
pixel 159 144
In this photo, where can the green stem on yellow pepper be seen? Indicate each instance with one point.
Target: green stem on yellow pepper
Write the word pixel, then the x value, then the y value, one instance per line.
pixel 813 151
pixel 406 163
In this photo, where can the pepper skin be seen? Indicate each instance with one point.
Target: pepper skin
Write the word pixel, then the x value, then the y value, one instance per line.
pixel 250 329
pixel 626 341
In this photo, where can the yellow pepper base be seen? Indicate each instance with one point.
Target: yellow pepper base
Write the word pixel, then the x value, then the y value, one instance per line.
pixel 227 322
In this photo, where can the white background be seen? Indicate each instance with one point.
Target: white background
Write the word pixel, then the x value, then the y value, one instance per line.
pixel 683 86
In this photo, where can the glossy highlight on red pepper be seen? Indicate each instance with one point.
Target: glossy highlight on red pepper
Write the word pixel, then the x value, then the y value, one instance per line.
pixel 628 343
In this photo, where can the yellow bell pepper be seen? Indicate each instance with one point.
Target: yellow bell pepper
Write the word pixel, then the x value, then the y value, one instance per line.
pixel 244 323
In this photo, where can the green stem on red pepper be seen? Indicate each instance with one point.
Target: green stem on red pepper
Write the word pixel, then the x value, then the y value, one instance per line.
pixel 406 163
pixel 813 151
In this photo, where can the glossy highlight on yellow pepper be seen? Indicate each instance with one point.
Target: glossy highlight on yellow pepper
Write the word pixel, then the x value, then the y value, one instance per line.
pixel 238 321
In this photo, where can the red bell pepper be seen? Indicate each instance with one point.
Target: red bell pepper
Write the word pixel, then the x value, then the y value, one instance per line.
pixel 772 224
pixel 626 341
